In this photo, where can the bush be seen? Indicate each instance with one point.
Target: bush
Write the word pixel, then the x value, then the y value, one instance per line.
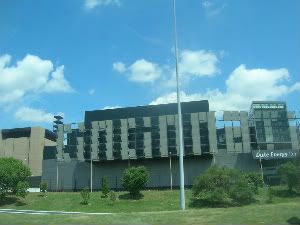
pixel 22 187
pixel 135 179
pixel 254 179
pixel 105 187
pixel 44 187
pixel 112 196
pixel 12 171
pixel 221 186
pixel 85 194
pixel 241 192
pixel 290 174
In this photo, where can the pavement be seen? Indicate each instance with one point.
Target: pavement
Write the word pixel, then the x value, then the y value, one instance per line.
pixel 39 212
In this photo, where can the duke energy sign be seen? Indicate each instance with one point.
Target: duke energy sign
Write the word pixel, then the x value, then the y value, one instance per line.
pixel 275 154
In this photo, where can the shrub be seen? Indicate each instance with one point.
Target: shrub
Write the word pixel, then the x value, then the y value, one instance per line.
pixel 44 187
pixel 112 196
pixel 85 194
pixel 135 179
pixel 221 186
pixel 241 193
pixel 254 179
pixel 105 187
pixel 212 187
pixel 290 174
pixel 22 187
pixel 12 171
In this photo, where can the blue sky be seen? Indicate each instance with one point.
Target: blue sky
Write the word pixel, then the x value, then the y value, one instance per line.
pixel 71 56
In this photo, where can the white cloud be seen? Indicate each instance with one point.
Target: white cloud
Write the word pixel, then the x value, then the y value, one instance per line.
pixel 198 63
pixel 242 86
pixel 28 114
pixel 119 67
pixel 141 71
pixel 112 107
pixel 58 83
pixel 192 64
pixel 90 4
pixel 92 91
pixel 30 75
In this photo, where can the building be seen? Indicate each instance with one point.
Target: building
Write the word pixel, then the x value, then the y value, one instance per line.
pixel 108 141
pixel 27 144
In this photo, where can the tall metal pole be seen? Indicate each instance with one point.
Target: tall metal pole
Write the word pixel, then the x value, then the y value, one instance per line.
pixel 171 176
pixel 56 175
pixel 182 196
pixel 91 172
pixel 214 158
pixel 260 163
pixel 261 168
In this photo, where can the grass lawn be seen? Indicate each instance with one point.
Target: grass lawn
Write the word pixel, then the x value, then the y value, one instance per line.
pixel 156 207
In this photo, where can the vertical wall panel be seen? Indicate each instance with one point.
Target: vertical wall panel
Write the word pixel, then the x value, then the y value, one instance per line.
pixel 163 136
pixel 37 142
pixel 124 137
pixel 229 139
pixel 21 149
pixel 147 143
pixel 294 139
pixel 212 132
pixel 109 151
pixel 195 134
pixel 80 145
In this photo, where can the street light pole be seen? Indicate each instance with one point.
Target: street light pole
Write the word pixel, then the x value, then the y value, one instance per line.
pixel 261 168
pixel 128 159
pixel 56 175
pixel 91 172
pixel 171 177
pixel 260 163
pixel 182 196
pixel 214 158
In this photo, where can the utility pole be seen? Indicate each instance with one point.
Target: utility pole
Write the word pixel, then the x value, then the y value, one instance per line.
pixel 171 177
pixel 214 158
pixel 91 172
pixel 56 175
pixel 182 195
pixel 260 163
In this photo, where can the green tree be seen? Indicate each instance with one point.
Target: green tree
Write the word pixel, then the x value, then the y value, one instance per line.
pixel 12 171
pixel 135 179
pixel 85 194
pixel 44 187
pixel 22 187
pixel 254 179
pixel 105 186
pixel 221 186
pixel 290 174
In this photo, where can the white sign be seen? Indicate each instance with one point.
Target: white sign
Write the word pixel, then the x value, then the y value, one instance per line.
pixel 268 106
pixel 275 154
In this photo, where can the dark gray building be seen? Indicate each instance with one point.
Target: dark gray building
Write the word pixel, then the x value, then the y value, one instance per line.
pixel 113 139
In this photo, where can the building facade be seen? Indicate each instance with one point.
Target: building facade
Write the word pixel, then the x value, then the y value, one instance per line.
pixel 114 139
pixel 27 144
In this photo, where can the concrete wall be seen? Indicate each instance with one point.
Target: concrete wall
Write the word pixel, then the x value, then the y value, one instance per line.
pixel 27 149
pixel 75 174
